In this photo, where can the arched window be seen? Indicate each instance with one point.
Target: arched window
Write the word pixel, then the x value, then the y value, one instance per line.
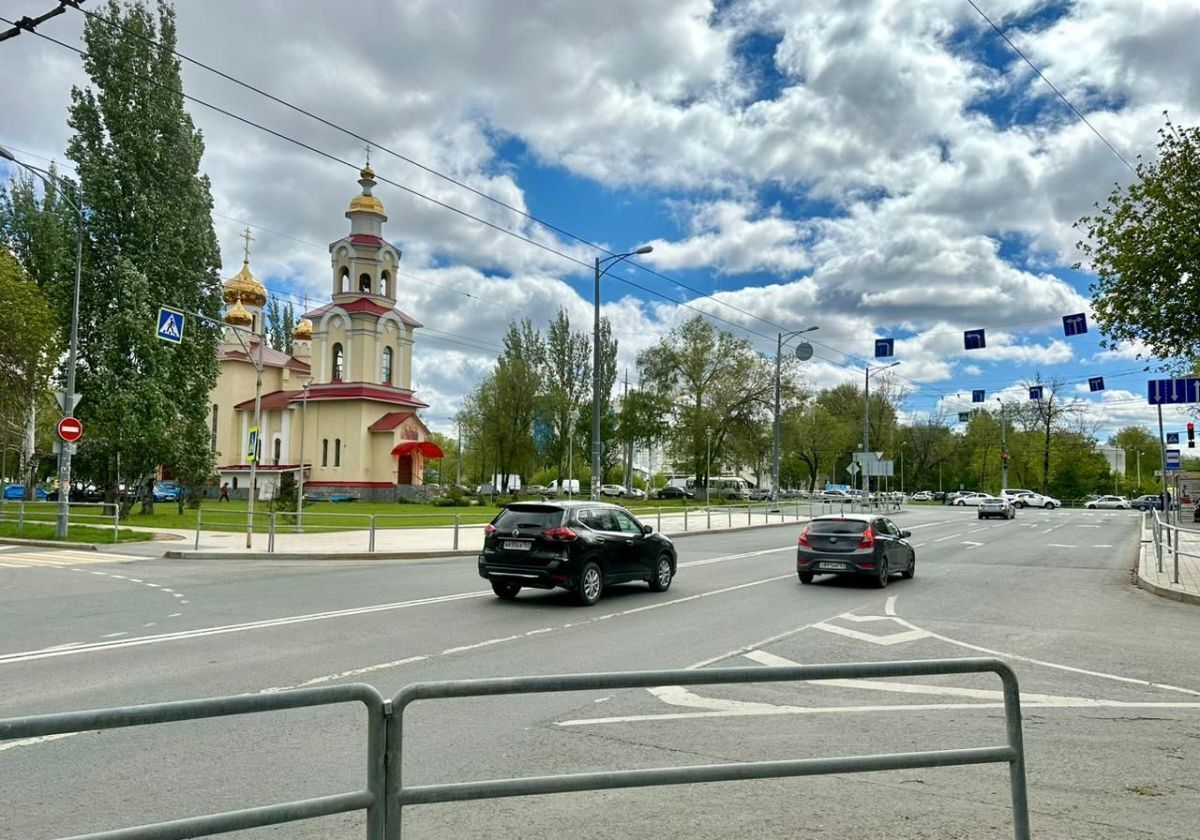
pixel 235 482
pixel 386 372
pixel 364 283
pixel 213 435
pixel 338 360
pixel 278 449
pixel 325 452
pixel 344 280
pixel 337 452
pixel 385 283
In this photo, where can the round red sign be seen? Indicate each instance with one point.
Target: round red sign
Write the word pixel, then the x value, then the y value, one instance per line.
pixel 70 429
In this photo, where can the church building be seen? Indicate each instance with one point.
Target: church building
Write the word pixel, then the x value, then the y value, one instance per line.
pixel 341 406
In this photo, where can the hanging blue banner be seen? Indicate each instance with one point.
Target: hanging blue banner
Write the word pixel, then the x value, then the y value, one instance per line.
pixel 974 340
pixel 1075 324
pixel 884 347
pixel 977 396
pixel 1035 393
pixel 1096 383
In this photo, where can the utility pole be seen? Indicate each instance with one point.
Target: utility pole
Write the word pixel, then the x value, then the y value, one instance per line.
pixel 458 458
pixel 1003 450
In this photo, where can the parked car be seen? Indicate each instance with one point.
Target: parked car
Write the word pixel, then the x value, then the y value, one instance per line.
pixel 970 499
pixel 1037 500
pixel 758 494
pixel 617 490
pixel 166 491
pixel 835 495
pixel 485 490
pixel 1148 502
pixel 997 506
pixel 17 492
pixel 856 544
pixel 921 496
pixel 637 493
pixel 581 546
pixel 535 489
pixel 1109 503
pixel 672 492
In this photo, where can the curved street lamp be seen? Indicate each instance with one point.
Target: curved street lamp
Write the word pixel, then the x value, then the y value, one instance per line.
pixel 611 260
pixel 65 449
pixel 800 349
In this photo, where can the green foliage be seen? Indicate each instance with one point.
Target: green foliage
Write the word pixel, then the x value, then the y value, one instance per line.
pixel 1144 245
pixel 29 340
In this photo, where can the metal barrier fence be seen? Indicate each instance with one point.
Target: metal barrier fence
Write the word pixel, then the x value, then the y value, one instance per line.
pixel 372 800
pixel 1166 539
pixel 46 513
pixel 1012 753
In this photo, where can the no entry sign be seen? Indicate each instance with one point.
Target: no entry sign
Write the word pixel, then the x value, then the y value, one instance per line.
pixel 70 429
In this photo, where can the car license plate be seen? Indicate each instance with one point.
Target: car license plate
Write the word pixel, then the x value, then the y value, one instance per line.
pixel 517 545
pixel 831 566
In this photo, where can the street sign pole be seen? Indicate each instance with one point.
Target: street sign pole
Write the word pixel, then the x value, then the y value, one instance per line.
pixel 1162 448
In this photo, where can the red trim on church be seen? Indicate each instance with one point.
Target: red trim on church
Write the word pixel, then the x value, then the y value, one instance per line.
pixel 365 239
pixel 360 304
pixel 427 448
pixel 389 421
pixel 271 401
pixel 308 484
pixel 363 391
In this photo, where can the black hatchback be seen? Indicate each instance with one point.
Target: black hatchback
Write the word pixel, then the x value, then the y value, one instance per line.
pixel 863 545
pixel 581 546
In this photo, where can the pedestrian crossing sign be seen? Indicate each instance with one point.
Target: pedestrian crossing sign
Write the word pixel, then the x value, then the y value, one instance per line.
pixel 170 325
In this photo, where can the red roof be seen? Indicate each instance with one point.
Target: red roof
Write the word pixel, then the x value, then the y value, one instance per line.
pixel 427 448
pixel 271 358
pixel 362 304
pixel 365 239
pixel 271 401
pixel 389 421
pixel 363 391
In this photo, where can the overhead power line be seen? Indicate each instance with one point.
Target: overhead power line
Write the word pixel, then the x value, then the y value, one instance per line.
pixel 28 24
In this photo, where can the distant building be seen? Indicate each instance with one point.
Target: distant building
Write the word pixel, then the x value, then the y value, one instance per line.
pixel 1115 456
pixel 344 396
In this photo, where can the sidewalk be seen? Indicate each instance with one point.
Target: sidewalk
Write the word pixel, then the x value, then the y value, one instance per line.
pixel 1162 582
pixel 393 543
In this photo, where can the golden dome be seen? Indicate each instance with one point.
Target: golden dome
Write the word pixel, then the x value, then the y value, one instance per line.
pixel 244 287
pixel 303 330
pixel 237 315
pixel 367 173
pixel 366 202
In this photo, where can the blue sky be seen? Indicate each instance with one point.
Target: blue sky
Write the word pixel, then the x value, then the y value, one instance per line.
pixel 875 168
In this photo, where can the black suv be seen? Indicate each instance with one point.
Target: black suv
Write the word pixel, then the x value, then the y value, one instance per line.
pixel 577 545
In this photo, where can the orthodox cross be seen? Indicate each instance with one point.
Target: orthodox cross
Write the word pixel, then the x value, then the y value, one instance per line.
pixel 246 235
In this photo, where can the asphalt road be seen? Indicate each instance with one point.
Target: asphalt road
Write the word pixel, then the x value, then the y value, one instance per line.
pixel 1110 684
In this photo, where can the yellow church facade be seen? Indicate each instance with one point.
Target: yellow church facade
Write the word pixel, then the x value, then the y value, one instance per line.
pixel 340 407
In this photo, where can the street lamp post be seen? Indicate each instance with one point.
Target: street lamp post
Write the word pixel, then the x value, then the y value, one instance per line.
pixel 902 445
pixel 775 483
pixel 868 372
pixel 611 260
pixel 572 418
pixel 303 431
pixel 1139 471
pixel 1003 450
pixel 65 449
pixel 708 433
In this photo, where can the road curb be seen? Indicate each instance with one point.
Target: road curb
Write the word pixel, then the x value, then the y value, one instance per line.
pixel 78 546
pixel 1145 550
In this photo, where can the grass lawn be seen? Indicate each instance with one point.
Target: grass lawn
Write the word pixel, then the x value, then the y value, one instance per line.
pixel 75 533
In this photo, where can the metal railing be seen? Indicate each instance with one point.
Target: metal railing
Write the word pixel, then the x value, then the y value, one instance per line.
pixel 385 795
pixel 1167 539
pixel 372 799
pixel 1011 753
pixel 104 515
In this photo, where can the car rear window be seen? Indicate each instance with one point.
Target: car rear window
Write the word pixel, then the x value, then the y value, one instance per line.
pixel 837 526
pixel 528 517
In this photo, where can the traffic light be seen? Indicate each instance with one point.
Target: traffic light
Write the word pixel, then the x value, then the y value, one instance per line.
pixel 1191 435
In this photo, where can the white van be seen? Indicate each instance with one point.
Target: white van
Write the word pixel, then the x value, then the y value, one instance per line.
pixel 561 487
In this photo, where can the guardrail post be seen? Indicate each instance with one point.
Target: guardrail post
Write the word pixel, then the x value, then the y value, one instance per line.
pixel 708 519
pixel 685 517
pixel 271 534
pixel 1176 576
pixel 728 517
pixel 116 528
pixel 20 519
pixel 1156 532
pixel 658 513
pixel 199 512
pixel 371 546
pixel 456 519
pixel 749 514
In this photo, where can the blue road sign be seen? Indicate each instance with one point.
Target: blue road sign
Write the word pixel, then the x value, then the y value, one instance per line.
pixel 1035 393
pixel 974 340
pixel 1172 437
pixel 1174 391
pixel 170 325
pixel 1075 324
pixel 977 396
pixel 1172 459
pixel 1096 383
pixel 885 347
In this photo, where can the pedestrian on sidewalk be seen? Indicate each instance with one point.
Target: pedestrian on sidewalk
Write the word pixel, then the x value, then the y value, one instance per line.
pixel 224 492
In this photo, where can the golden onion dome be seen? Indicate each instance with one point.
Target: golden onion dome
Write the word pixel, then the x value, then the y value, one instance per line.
pixel 367 173
pixel 244 287
pixel 303 330
pixel 369 203
pixel 237 315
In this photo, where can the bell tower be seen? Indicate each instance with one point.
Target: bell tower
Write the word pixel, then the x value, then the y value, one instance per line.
pixel 364 264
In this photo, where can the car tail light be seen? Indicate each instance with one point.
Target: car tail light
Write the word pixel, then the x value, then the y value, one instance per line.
pixel 803 540
pixel 865 565
pixel 868 539
pixel 489 529
pixel 560 534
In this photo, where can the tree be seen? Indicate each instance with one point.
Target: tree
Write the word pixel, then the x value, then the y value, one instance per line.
pixel 1048 414
pixel 149 242
pixel 506 402
pixel 1135 440
pixel 281 320
pixel 566 379
pixel 1144 245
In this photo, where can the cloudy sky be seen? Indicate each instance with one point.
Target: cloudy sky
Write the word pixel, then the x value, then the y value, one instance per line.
pixel 878 168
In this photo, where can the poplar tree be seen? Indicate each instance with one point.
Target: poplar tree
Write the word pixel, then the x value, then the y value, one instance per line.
pixel 150 242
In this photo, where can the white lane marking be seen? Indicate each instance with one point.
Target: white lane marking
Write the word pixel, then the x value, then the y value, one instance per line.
pixel 174 615
pixel 890 607
pixel 930 524
pixel 13 566
pixel 7 547
pixel 1060 545
pixel 114 635
pixel 910 635
pixel 151 624
pixel 1106 545
pixel 971 545
pixel 977 530
pixel 354 672
pixel 918 545
pixel 723 558
pixel 28 742
pixel 947 537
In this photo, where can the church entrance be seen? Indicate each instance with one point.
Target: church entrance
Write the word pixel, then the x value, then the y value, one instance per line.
pixel 404 469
